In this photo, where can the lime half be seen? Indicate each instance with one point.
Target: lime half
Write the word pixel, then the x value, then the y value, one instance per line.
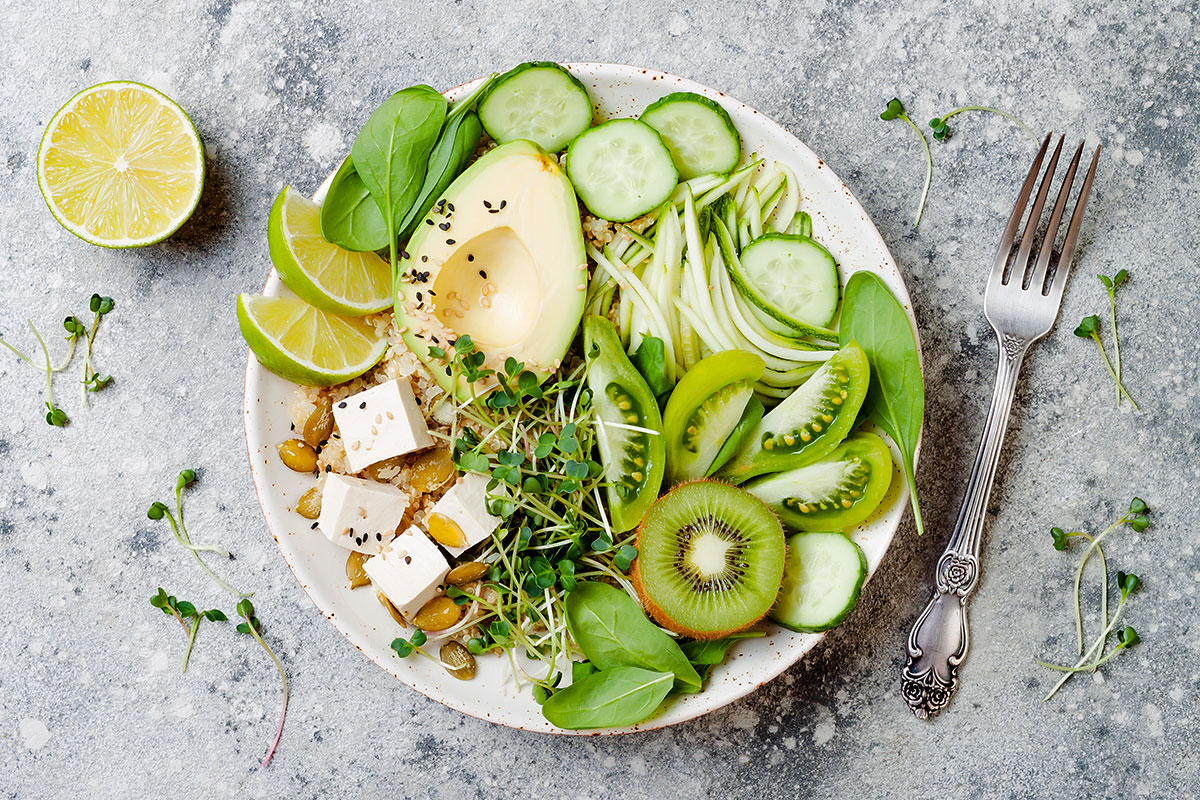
pixel 327 276
pixel 305 344
pixel 120 165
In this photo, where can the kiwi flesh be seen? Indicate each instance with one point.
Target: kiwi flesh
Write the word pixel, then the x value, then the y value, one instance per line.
pixel 710 559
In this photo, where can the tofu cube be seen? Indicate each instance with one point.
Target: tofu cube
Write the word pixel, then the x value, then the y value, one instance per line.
pixel 460 519
pixel 360 515
pixel 408 571
pixel 381 422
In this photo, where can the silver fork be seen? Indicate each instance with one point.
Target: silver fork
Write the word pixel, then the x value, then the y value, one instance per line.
pixel 1021 303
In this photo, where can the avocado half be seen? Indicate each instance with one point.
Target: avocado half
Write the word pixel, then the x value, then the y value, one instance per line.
pixel 500 257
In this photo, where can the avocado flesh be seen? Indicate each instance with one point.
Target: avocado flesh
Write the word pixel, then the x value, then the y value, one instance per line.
pixel 505 262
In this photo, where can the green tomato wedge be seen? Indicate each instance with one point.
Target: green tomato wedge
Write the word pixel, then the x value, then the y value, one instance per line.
pixel 628 426
pixel 809 423
pixel 705 407
pixel 835 493
pixel 321 273
pixel 307 345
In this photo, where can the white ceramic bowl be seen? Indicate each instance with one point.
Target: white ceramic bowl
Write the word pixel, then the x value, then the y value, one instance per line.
pixel 839 223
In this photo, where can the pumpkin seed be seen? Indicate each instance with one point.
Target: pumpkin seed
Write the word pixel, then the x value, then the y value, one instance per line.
pixel 431 469
pixel 298 455
pixel 454 654
pixel 354 569
pixel 319 425
pixel 438 614
pixel 309 504
pixel 466 573
pixel 391 609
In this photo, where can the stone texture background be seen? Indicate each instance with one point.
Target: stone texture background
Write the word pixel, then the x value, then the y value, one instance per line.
pixel 91 703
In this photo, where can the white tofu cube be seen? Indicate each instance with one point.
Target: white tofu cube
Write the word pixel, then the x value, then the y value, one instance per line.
pixel 460 519
pixel 381 422
pixel 360 515
pixel 408 571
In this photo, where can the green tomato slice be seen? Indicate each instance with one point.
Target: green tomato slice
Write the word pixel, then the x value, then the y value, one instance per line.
pixel 840 491
pixel 705 407
pixel 628 426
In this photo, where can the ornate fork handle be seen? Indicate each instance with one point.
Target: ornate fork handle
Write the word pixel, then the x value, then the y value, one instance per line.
pixel 939 639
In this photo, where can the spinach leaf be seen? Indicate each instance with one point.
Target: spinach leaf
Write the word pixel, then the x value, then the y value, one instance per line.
pixel 454 148
pixel 651 360
pixel 391 152
pixel 612 631
pixel 895 400
pixel 708 652
pixel 611 698
pixel 349 216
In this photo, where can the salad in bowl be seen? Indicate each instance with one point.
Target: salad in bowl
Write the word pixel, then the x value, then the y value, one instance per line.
pixel 580 403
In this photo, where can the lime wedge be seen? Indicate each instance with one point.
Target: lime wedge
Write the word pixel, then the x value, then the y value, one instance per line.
pixel 327 276
pixel 120 165
pixel 305 344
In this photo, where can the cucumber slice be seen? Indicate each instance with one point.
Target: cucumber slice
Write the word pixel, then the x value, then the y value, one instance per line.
pixel 621 169
pixel 821 582
pixel 539 101
pixel 697 131
pixel 792 278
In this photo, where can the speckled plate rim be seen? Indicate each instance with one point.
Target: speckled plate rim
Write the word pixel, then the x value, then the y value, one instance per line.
pixel 841 224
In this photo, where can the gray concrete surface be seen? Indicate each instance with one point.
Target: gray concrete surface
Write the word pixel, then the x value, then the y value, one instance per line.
pixel 91 702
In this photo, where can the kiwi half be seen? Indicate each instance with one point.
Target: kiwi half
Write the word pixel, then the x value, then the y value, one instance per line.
pixel 710 559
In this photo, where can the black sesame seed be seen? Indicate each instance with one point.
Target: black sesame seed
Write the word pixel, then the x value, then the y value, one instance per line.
pixel 435 339
pixel 408 559
pixel 363 404
pixel 342 404
pixel 447 370
pixel 493 211
pixel 428 222
pixel 450 206
pixel 483 274
pixel 404 254
pixel 487 204
pixel 293 426
pixel 378 536
pixel 314 525
pixel 449 241
pixel 432 293
pixel 419 297
pixel 503 203
pixel 470 257
pixel 424 258
pixel 329 468
pixel 445 226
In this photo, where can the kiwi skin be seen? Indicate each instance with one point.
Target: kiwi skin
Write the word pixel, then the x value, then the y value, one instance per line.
pixel 659 615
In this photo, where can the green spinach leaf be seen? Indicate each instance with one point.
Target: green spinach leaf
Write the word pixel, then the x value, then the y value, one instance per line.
pixel 613 632
pixel 611 698
pixel 391 153
pixel 350 217
pixel 895 400
pixel 651 360
pixel 709 652
pixel 454 148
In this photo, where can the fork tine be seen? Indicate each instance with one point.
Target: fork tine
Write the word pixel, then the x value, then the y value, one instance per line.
pixel 1046 248
pixel 1068 248
pixel 1014 219
pixel 1020 267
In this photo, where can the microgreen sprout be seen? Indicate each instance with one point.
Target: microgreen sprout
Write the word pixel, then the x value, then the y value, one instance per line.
pixel 182 611
pixel 253 627
pixel 54 415
pixel 941 131
pixel 92 381
pixel 535 442
pixel 895 110
pixel 1110 287
pixel 158 511
pixel 1089 328
pixel 1126 583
